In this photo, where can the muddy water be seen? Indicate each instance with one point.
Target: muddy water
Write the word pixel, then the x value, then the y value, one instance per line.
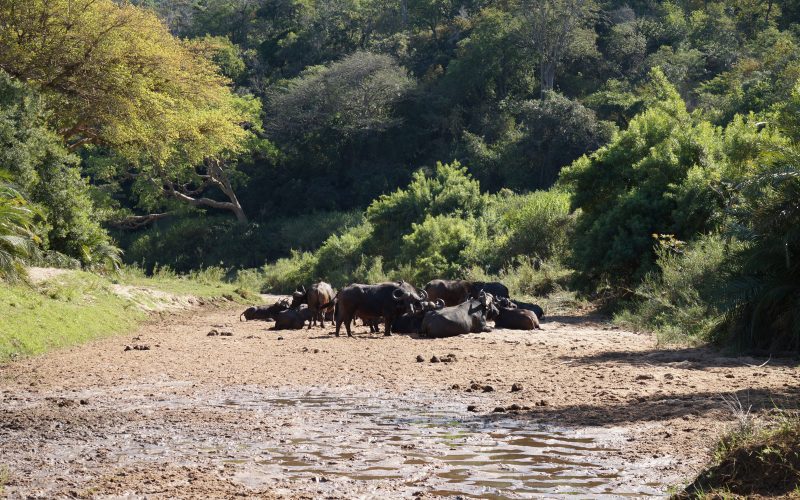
pixel 322 441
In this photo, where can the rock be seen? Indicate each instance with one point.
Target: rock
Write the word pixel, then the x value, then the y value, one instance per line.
pixel 488 388
pixel 213 333
pixel 137 347
pixel 420 359
pixel 434 359
pixel 452 357
pixel 499 409
pixel 644 376
pixel 315 351
pixel 226 334
pixel 472 408
pixel 84 402
pixel 516 387
pixel 475 387
pixel 515 407
pixel 455 387
pixel 669 376
pixel 280 338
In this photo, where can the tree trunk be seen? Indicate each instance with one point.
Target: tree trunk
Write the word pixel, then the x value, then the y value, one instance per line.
pixel 547 76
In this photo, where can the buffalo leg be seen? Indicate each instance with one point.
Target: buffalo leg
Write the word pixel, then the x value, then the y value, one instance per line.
pixel 387 325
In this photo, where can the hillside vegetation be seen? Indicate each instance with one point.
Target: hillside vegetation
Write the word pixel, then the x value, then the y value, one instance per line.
pixel 639 154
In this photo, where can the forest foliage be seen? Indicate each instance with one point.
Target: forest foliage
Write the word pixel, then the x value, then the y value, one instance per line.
pixel 650 148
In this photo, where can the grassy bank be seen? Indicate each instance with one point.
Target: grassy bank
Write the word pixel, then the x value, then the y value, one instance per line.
pixel 753 461
pixel 77 306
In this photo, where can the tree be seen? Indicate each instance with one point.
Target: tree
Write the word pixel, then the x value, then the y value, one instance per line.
pixel 559 29
pixel 351 96
pixel 113 75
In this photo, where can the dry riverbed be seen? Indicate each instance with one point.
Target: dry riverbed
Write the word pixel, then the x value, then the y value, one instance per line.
pixel 576 408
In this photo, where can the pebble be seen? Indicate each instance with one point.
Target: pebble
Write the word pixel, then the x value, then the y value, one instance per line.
pixel 488 388
pixel 420 359
pixel 499 409
pixel 516 387
pixel 472 408
pixel 434 359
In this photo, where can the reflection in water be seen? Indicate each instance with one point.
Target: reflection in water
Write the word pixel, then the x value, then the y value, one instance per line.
pixel 438 448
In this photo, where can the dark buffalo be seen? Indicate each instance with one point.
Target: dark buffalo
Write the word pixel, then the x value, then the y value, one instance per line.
pixel 495 288
pixel 293 319
pixel 264 313
pixel 299 296
pixel 318 295
pixel 388 300
pixel 516 319
pixel 411 322
pixel 452 292
pixel 467 317
pixel 538 311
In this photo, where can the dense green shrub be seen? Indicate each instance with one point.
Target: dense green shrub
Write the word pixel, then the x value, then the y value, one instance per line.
pixel 285 274
pixel 50 178
pixel 535 225
pixel 678 300
pixel 448 190
pixel 435 247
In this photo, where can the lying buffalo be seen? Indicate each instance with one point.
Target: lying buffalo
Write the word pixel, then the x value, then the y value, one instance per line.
pixel 467 317
pixel 264 313
pixel 371 301
pixel 411 322
pixel 516 319
pixel 538 311
pixel 454 292
pixel 318 295
pixel 293 319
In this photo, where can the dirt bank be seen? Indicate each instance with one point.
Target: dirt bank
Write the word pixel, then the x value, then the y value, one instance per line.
pixel 302 413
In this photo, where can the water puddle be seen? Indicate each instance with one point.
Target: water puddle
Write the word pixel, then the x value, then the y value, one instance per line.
pixel 344 442
pixel 438 447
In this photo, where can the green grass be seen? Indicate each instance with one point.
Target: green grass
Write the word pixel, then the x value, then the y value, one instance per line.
pixel 752 460
pixel 78 306
pixel 5 475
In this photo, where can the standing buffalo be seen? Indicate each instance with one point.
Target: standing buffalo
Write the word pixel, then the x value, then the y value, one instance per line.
pixel 293 319
pixel 372 301
pixel 411 322
pixel 265 313
pixel 467 317
pixel 319 295
pixel 516 319
pixel 454 292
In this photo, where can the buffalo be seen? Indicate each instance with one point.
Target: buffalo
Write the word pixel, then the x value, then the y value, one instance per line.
pixel 264 313
pixel 537 310
pixel 495 288
pixel 318 295
pixel 467 317
pixel 293 319
pixel 516 319
pixel 388 300
pixel 454 292
pixel 411 322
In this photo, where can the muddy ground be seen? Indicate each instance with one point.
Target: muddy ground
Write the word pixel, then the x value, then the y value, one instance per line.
pixel 577 408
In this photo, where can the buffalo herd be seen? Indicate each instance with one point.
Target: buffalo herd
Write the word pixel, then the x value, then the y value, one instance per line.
pixel 444 308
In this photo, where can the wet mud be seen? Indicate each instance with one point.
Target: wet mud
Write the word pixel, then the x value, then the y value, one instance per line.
pixel 574 410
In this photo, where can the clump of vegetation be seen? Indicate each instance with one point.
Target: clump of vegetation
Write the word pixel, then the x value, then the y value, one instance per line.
pixel 753 461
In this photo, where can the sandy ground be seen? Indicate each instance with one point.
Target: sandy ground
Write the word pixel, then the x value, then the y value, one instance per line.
pixel 597 410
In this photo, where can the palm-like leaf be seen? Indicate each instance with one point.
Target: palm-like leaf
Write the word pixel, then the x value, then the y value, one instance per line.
pixel 16 232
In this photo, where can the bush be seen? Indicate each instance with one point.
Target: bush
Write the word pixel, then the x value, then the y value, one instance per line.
pixel 538 225
pixel 677 301
pixel 435 248
pixel 285 274
pixel 449 191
